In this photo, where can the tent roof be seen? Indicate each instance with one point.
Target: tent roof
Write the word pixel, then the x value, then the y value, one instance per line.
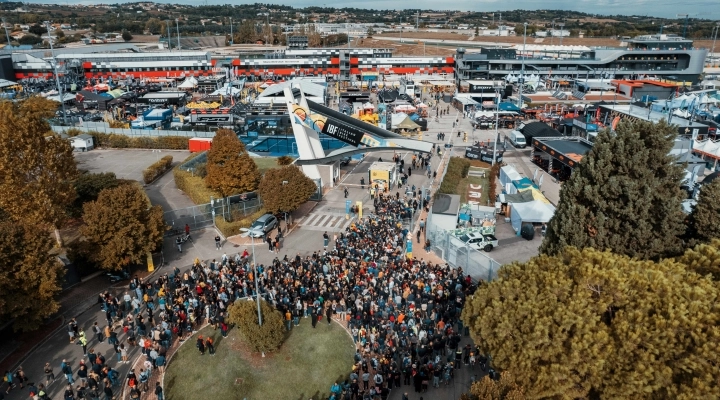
pixel 407 123
pixel 511 172
pixel 539 129
pixel 534 211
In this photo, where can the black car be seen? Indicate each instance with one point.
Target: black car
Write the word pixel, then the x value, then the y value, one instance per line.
pixel 345 161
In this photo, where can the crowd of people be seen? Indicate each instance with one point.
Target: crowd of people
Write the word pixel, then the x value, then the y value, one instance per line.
pixel 403 313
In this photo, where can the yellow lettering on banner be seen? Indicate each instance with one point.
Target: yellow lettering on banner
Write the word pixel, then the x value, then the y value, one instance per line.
pixel 151 265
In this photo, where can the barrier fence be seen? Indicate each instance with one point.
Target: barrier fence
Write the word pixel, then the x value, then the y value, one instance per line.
pixel 104 128
pixel 455 252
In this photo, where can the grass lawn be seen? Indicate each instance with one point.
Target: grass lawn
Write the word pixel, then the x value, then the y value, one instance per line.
pixel 463 187
pixel 307 364
pixel 265 163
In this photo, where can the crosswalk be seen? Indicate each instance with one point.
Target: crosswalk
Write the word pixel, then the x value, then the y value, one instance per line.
pixel 325 221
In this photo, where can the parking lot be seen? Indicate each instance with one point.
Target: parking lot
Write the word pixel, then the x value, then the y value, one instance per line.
pixel 126 164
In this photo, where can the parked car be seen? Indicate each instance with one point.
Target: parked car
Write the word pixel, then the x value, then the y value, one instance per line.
pixel 263 225
pixel 345 161
pixel 480 241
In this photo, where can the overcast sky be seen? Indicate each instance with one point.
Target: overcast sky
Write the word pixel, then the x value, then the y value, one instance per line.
pixel 709 9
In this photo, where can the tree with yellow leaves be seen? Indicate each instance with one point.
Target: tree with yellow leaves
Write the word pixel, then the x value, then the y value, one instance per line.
pixel 123 226
pixel 230 169
pixel 487 389
pixel 29 275
pixel 586 323
pixel 37 167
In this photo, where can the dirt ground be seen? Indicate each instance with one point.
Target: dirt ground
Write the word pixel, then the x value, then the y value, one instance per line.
pixel 446 35
pixel 400 49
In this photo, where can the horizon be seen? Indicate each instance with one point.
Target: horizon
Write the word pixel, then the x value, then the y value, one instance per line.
pixel 650 8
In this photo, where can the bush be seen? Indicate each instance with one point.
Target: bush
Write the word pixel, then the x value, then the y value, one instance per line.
pixel 157 169
pixel 232 228
pixel 268 337
pixel 193 186
pixel 492 181
pixel 457 170
pixel 118 141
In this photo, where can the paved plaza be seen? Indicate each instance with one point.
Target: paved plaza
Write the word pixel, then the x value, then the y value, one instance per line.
pixel 328 215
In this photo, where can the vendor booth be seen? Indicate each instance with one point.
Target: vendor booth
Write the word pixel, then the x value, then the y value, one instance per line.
pixel 531 212
pixel 383 174
pixel 558 156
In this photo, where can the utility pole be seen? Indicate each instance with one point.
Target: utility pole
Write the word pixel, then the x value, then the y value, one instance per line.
pixel 687 17
pixel 232 39
pixel 7 35
pixel 55 70
pixel 522 69
pixel 497 126
pixel 177 25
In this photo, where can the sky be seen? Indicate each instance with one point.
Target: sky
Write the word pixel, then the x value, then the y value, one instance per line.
pixel 709 9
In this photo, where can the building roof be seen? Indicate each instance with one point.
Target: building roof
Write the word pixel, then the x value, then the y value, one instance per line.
pixel 447 204
pixel 308 88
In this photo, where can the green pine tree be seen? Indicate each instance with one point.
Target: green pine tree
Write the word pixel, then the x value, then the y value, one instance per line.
pixel 704 221
pixel 624 196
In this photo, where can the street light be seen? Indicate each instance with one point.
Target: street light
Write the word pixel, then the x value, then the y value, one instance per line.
pixel 712 52
pixel 57 77
pixel 177 26
pixel 246 233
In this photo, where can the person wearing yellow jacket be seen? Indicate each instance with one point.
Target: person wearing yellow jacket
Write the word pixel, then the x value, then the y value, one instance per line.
pixel 82 341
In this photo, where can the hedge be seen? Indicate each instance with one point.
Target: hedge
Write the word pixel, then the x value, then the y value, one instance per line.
pixel 233 228
pixel 158 168
pixel 457 170
pixel 117 141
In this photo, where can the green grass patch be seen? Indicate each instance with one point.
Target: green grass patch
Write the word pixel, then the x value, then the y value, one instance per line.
pixel 463 188
pixel 306 365
pixel 265 163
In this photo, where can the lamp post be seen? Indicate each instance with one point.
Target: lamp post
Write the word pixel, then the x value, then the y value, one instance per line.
pixel 497 127
pixel 231 32
pixel 712 52
pixel 522 69
pixel 177 26
pixel 55 70
pixel 246 233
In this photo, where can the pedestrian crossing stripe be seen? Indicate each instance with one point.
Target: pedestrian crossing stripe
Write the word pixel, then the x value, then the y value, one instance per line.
pixel 333 222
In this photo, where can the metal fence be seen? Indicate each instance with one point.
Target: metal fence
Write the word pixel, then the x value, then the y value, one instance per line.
pixel 231 208
pixel 104 128
pixel 474 262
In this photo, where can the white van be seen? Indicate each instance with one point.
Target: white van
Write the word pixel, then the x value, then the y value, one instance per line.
pixel 517 139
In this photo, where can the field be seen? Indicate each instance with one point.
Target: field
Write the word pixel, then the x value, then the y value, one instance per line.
pixel 305 367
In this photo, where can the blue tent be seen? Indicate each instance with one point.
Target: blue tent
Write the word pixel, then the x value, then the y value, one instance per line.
pixel 508 107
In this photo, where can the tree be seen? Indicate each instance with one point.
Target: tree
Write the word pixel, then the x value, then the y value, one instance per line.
pixel 230 169
pixel 488 389
pixel 123 226
pixel 285 189
pixel 704 221
pixel 246 33
pixel 284 160
pixel 266 337
pixel 704 259
pixel 30 40
pixel 154 26
pixel 624 196
pixel 371 31
pixel 88 186
pixel 29 275
pixel 126 36
pixel 37 30
pixel 37 167
pixel 477 30
pixel 591 324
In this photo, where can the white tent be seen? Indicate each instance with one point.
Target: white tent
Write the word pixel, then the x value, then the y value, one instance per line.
pixel 225 90
pixel 188 84
pixel 532 211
